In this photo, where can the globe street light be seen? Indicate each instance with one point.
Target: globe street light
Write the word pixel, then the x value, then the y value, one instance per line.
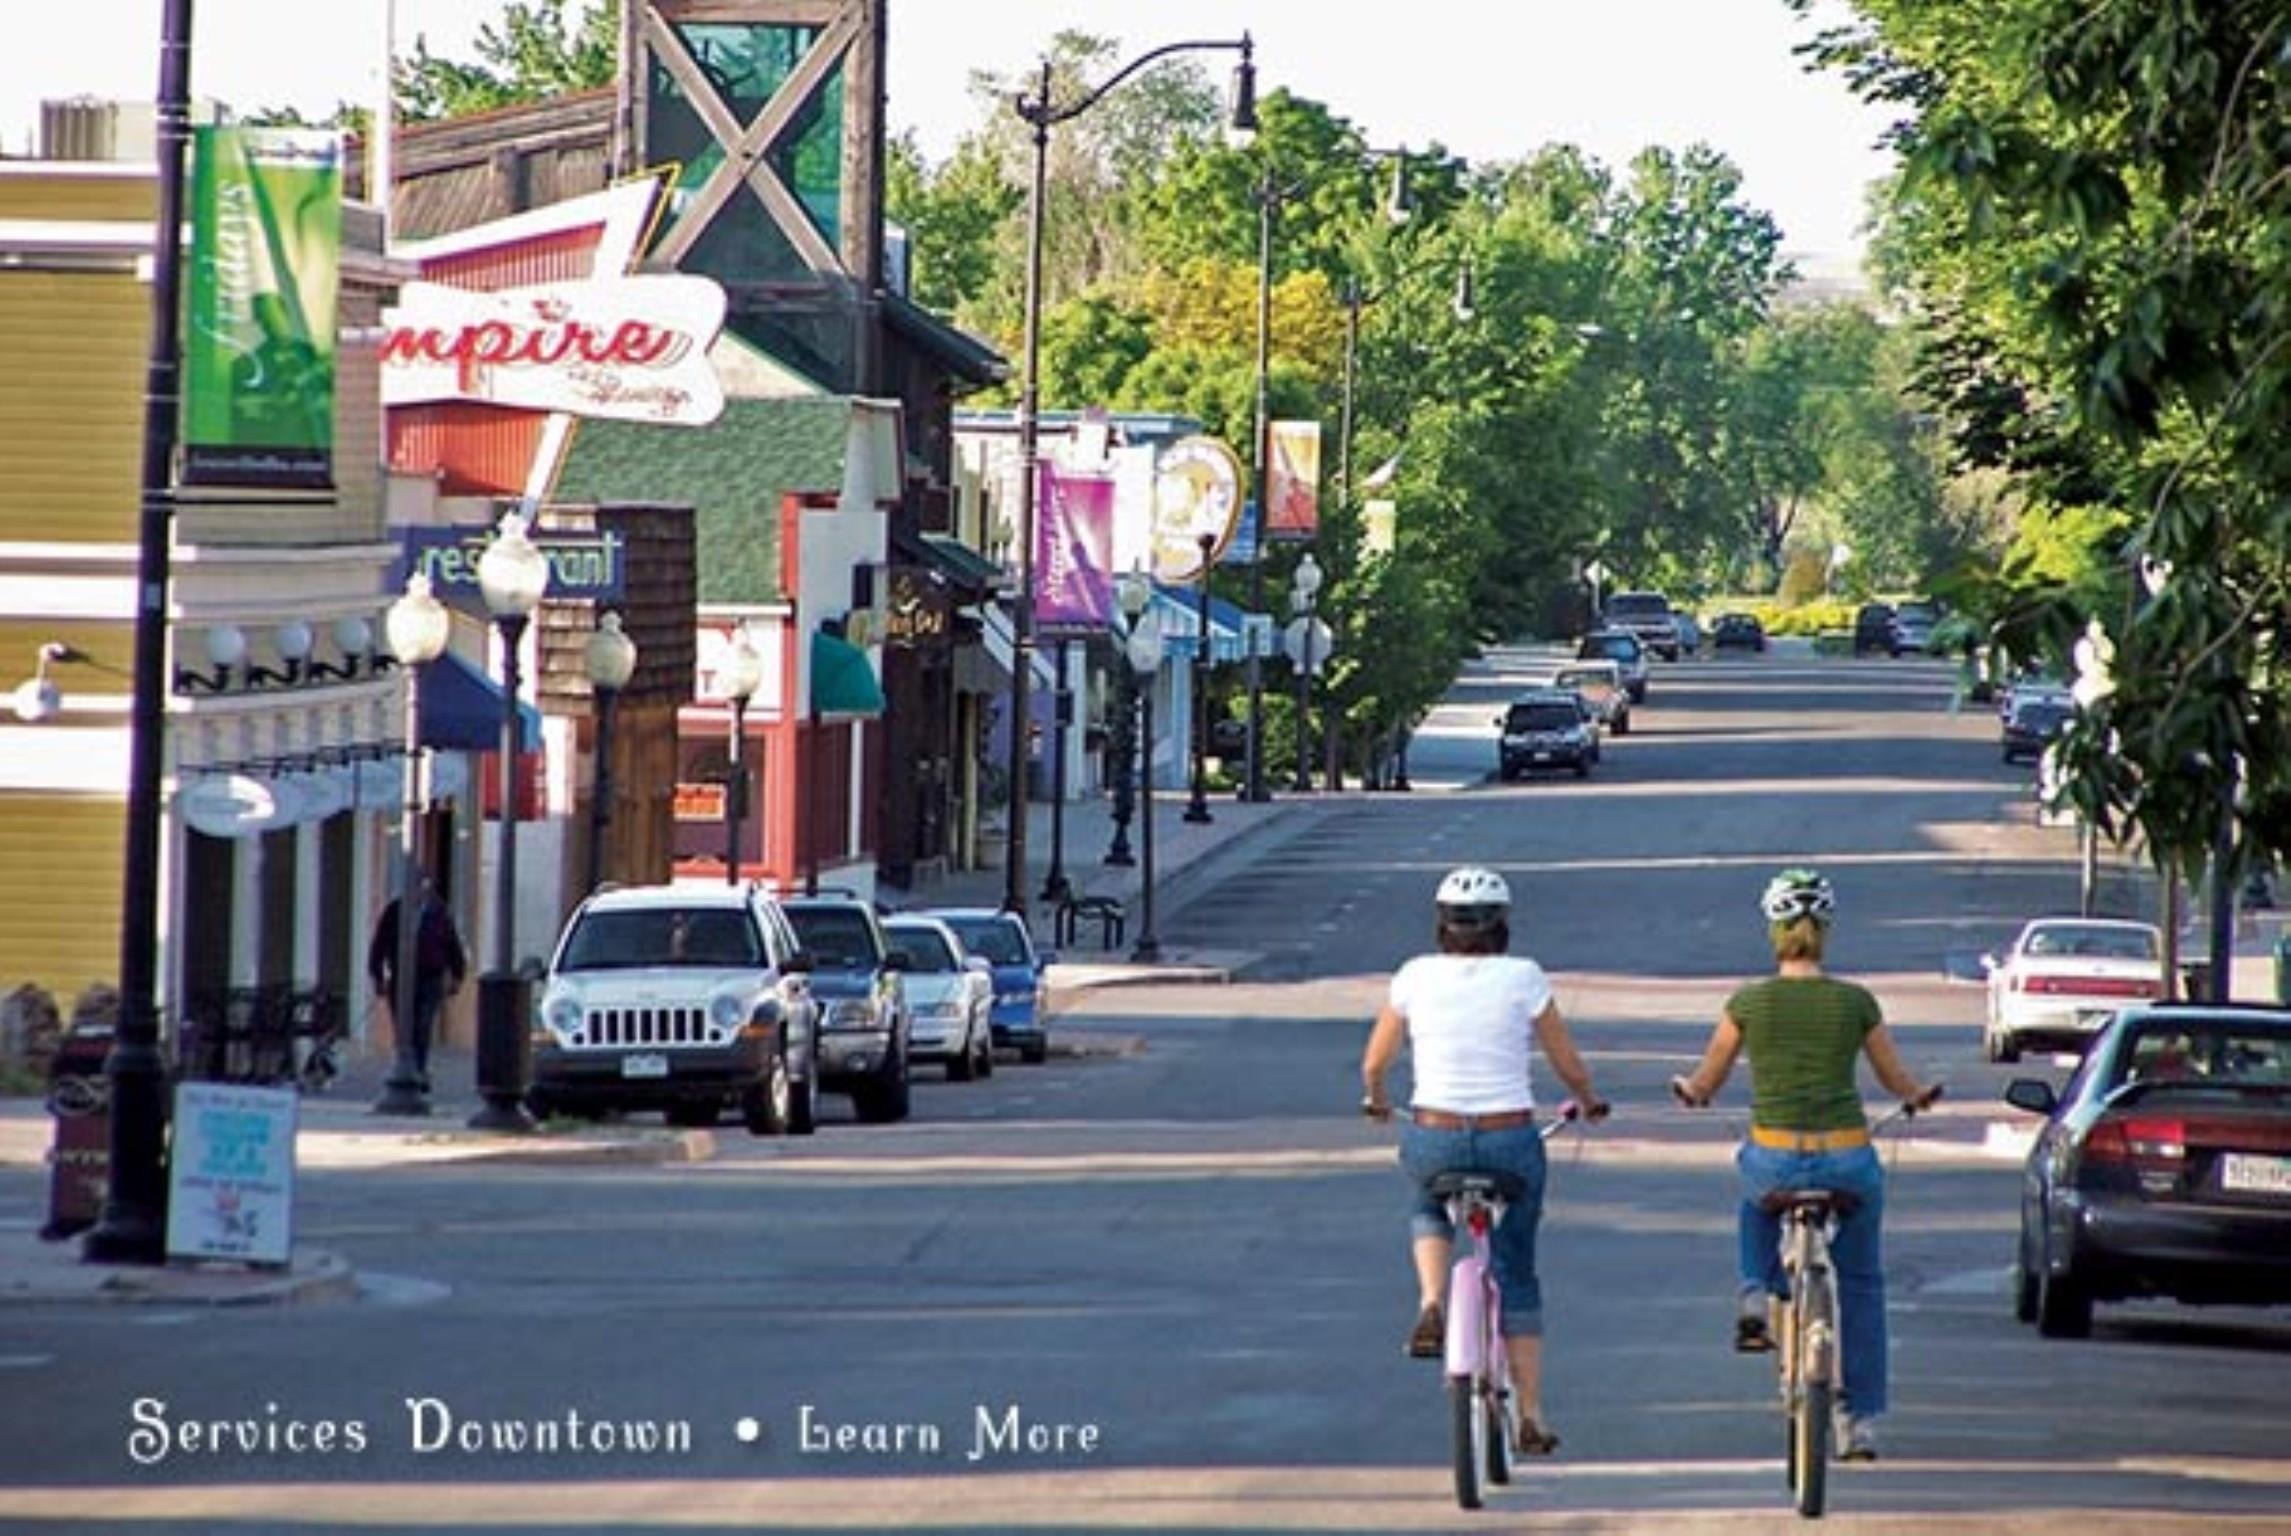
pixel 742 675
pixel 1041 113
pixel 1304 596
pixel 610 660
pixel 415 627
pixel 1143 650
pixel 511 574
pixel 1132 594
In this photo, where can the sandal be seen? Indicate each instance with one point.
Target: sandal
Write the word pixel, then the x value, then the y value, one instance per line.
pixel 1429 1340
pixel 1751 1336
pixel 1532 1439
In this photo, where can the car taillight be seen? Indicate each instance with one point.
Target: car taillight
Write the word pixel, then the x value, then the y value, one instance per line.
pixel 2089 986
pixel 2137 1139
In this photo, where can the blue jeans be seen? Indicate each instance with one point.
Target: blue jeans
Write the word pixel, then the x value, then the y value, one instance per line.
pixel 1519 1152
pixel 1855 1252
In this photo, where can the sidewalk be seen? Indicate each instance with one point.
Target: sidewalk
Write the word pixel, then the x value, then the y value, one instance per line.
pixel 1186 855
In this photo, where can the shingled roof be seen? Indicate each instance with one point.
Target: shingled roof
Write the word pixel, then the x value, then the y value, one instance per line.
pixel 732 473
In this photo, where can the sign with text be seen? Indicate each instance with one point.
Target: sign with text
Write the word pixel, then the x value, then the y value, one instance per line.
pixel 917 613
pixel 230 1180
pixel 1073 553
pixel 581 565
pixel 258 343
pixel 1293 480
pixel 623 348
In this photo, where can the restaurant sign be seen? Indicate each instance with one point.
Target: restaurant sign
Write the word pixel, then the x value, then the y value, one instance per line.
pixel 622 348
pixel 593 566
pixel 917 613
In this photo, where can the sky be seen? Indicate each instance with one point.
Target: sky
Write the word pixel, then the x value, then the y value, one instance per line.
pixel 1487 79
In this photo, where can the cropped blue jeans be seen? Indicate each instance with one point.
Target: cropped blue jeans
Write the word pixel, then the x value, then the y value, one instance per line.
pixel 1425 1152
pixel 1856 1252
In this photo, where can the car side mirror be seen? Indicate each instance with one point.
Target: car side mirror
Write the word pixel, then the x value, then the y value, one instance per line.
pixel 980 964
pixel 1990 962
pixel 799 963
pixel 897 960
pixel 1497 722
pixel 1044 957
pixel 2032 1094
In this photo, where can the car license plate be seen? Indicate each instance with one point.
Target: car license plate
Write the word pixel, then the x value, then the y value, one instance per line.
pixel 648 1065
pixel 1543 757
pixel 2255 1175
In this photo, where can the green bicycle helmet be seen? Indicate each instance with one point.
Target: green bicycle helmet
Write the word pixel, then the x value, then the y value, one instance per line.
pixel 1796 893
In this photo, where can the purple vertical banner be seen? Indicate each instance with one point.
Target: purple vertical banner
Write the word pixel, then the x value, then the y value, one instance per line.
pixel 1073 553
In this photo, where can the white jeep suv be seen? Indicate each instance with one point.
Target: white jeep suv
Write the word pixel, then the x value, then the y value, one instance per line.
pixel 686 999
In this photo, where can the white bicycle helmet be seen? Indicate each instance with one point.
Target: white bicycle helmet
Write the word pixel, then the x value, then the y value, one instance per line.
pixel 1473 897
pixel 1796 893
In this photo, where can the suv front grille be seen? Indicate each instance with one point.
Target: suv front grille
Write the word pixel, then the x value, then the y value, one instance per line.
pixel 646 1026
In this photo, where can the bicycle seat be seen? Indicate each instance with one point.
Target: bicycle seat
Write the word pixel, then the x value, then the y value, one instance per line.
pixel 1810 1202
pixel 1489 1185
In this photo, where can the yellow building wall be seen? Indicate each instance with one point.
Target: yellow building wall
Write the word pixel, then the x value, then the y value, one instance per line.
pixel 105 644
pixel 71 405
pixel 70 850
pixel 97 191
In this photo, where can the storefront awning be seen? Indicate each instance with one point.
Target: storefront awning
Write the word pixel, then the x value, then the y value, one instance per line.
pixel 963 565
pixel 1177 613
pixel 461 709
pixel 842 682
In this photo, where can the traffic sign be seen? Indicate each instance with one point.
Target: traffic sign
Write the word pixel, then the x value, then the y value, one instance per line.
pixel 1308 643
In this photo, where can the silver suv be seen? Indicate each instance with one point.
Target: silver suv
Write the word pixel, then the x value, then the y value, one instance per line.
pixel 686 999
pixel 1647 615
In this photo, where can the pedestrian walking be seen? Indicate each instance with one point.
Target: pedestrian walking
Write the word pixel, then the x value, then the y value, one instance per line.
pixel 440 965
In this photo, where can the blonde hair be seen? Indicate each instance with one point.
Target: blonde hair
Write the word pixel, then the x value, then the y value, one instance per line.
pixel 1801 938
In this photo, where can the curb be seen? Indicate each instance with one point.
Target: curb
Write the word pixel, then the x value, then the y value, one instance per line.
pixel 1144 976
pixel 535 1151
pixel 314 1275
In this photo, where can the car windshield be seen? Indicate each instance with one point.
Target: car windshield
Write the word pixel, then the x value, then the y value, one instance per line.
pixel 1611 647
pixel 991 937
pixel 1635 605
pixel 698 937
pixel 2210 1053
pixel 926 949
pixel 2093 943
pixel 2042 714
pixel 1917 613
pixel 1583 679
pixel 838 938
pixel 1542 717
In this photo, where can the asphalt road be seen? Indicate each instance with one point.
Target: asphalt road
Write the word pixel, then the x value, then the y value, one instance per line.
pixel 1164 1286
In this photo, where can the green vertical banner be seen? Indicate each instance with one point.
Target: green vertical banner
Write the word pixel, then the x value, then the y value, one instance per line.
pixel 258 351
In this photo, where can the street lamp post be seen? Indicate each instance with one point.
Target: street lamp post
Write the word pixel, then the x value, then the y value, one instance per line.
pixel 416 627
pixel 1304 597
pixel 1143 651
pixel 743 674
pixel 610 660
pixel 1055 886
pixel 132 1226
pixel 1041 114
pixel 512 574
pixel 1197 809
pixel 1132 596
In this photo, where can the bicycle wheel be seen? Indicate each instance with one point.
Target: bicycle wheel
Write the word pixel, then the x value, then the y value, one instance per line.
pixel 1810 1417
pixel 1496 1415
pixel 1467 1425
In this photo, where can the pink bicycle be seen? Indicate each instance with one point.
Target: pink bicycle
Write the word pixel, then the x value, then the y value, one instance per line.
pixel 1483 1413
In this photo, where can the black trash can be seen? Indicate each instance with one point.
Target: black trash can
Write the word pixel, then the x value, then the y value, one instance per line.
pixel 2195 981
pixel 79 1160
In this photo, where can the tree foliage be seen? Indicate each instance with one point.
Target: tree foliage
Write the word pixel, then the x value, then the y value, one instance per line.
pixel 538 50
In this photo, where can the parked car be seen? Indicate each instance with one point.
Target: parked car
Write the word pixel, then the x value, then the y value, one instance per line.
pixel 1738 632
pixel 1625 650
pixel 2064 978
pixel 2163 1168
pixel 1021 1003
pixel 864 1032
pixel 683 999
pixel 1913 624
pixel 2033 719
pixel 950 997
pixel 1600 685
pixel 1548 728
pixel 1647 615
pixel 1873 630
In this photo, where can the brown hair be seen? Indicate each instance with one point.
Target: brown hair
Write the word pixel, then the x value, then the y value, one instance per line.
pixel 1801 938
pixel 1493 939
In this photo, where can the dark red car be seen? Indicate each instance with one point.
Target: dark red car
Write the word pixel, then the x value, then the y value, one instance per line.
pixel 2163 1168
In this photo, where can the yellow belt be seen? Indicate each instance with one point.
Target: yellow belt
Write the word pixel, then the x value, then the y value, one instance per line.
pixel 1809 1141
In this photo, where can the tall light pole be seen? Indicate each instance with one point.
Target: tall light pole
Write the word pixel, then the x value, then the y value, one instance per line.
pixel 1041 113
pixel 1304 596
pixel 132 1226
pixel 1142 649
pixel 1133 595
pixel 743 674
pixel 610 660
pixel 416 627
pixel 512 574
pixel 1197 807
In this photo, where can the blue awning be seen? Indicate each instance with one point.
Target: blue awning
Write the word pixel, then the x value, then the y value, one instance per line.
pixel 1177 610
pixel 461 709
pixel 842 682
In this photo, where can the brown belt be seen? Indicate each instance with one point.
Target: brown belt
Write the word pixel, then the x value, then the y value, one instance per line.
pixel 1809 1141
pixel 1445 1120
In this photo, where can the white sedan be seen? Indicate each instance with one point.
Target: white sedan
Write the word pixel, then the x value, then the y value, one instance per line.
pixel 950 996
pixel 2063 980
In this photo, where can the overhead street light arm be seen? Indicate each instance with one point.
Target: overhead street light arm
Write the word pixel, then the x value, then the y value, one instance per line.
pixel 1043 113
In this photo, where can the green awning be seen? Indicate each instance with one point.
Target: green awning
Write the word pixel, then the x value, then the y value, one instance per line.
pixel 842 683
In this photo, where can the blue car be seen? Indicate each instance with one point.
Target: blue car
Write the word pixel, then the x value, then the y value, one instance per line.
pixel 1020 1018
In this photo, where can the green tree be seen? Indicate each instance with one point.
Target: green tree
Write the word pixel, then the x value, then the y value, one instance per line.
pixel 537 51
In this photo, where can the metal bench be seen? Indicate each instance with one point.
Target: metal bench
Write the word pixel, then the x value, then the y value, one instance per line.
pixel 1110 915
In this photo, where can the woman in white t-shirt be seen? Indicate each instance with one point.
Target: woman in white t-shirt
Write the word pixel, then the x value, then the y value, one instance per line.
pixel 1467 1015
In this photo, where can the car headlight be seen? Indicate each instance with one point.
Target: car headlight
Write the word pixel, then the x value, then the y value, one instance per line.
pixel 562 1013
pixel 852 1013
pixel 727 1011
pixel 939 1011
